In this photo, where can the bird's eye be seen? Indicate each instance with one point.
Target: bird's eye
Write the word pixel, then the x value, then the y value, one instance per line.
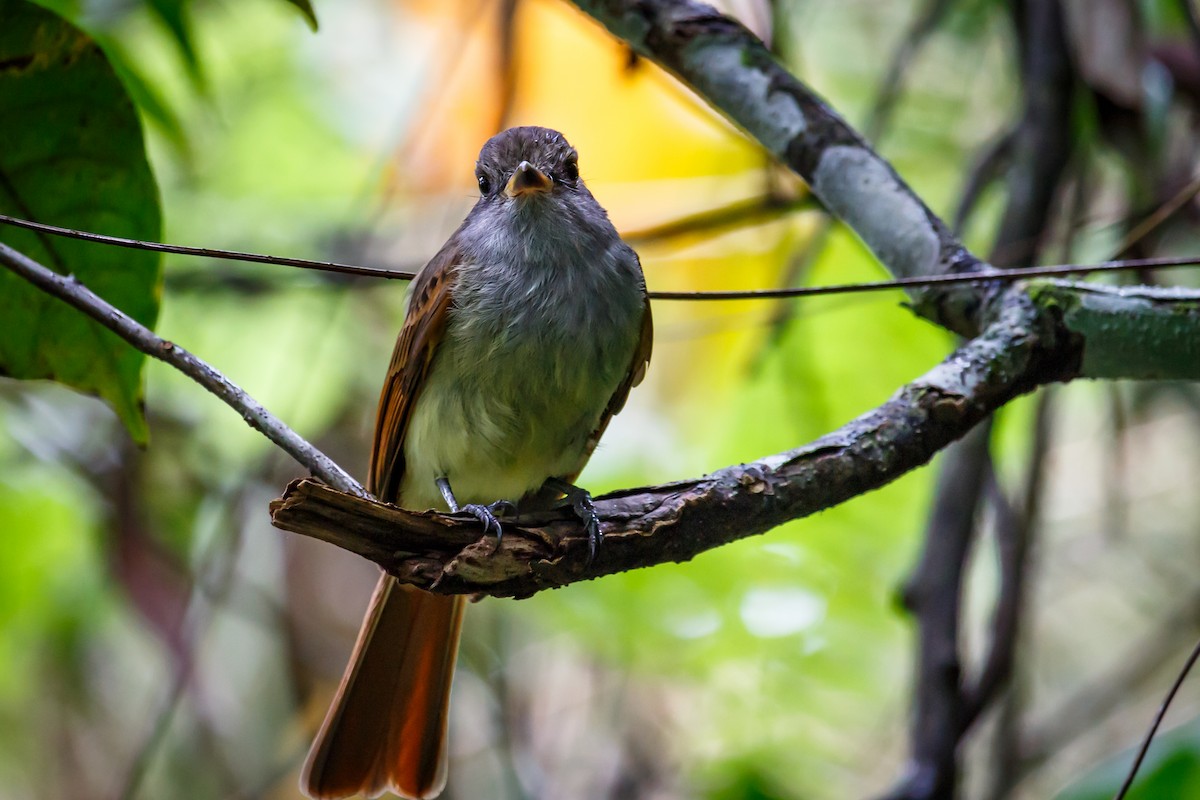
pixel 485 185
pixel 571 170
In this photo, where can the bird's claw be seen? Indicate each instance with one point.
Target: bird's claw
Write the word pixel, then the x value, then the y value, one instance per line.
pixel 585 510
pixel 581 502
pixel 587 513
pixel 487 516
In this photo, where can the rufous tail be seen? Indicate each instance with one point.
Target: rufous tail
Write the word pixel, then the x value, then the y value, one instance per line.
pixel 386 728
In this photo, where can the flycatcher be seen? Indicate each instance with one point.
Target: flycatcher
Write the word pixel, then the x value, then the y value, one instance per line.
pixel 523 336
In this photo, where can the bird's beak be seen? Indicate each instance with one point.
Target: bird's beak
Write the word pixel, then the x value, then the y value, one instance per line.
pixel 528 179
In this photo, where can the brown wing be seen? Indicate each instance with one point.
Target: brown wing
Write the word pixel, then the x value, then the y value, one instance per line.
pixel 637 371
pixel 419 337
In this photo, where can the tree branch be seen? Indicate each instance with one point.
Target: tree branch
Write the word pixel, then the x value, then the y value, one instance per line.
pixel 677 521
pixel 1133 332
pixel 732 69
pixel 752 211
pixel 1015 531
pixel 878 118
pixel 1033 333
pixel 1043 332
pixel 71 291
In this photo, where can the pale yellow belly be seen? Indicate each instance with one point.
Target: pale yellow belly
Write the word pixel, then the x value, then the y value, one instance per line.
pixel 492 445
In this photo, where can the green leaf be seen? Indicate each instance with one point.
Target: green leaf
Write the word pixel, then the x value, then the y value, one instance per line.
pixel 71 154
pixel 307 10
pixel 1171 769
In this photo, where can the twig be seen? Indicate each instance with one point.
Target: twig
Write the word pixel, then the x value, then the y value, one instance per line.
pixel 506 33
pixel 162 721
pixel 186 668
pixel 71 291
pixel 1158 718
pixel 924 24
pixel 1041 143
pixel 742 212
pixel 1093 702
pixel 916 282
pixel 1157 217
pixel 799 263
pixel 206 252
pixel 1015 531
pixel 1115 472
pixel 984 170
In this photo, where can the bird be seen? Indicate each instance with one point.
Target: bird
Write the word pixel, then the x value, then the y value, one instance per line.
pixel 522 338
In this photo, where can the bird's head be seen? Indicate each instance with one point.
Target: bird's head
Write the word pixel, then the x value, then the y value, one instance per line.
pixel 524 164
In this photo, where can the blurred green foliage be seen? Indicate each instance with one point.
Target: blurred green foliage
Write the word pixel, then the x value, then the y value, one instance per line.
pixel 156 633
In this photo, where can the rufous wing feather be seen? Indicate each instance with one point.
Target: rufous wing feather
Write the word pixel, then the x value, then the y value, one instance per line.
pixel 429 304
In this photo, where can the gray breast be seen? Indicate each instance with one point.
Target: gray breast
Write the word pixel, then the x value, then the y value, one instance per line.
pixel 532 355
pixel 548 343
pixel 546 317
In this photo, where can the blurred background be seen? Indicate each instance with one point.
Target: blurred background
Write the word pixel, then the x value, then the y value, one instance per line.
pixel 159 639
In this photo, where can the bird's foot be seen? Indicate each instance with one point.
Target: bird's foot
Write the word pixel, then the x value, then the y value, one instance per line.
pixel 581 502
pixel 487 516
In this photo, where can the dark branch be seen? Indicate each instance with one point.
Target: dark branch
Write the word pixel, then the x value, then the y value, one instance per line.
pixel 943 708
pixel 985 170
pixel 1014 529
pixel 934 596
